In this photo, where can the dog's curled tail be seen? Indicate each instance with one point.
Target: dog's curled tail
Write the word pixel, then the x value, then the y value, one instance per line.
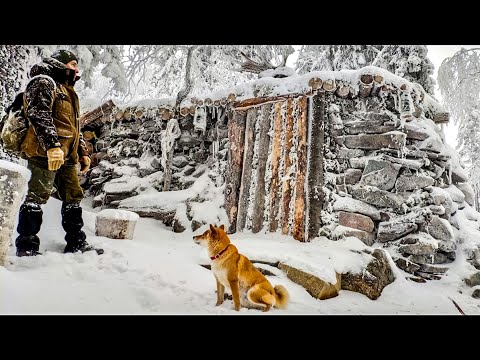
pixel 282 297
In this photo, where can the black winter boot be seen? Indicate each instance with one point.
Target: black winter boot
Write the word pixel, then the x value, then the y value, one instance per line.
pixel 29 223
pixel 72 223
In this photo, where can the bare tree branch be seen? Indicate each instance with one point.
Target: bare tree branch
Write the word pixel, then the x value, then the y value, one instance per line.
pixel 253 66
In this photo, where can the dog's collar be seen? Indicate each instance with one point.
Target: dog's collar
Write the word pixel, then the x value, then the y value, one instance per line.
pixel 219 254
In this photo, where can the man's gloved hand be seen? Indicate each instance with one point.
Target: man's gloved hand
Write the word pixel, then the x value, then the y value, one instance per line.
pixel 55 158
pixel 85 164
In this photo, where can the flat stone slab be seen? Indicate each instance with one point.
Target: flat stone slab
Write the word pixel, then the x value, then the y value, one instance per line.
pixel 116 224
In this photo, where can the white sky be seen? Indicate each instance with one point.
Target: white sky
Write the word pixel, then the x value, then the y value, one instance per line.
pixel 159 272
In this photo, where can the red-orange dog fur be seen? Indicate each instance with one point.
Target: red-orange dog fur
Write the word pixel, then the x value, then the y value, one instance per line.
pixel 249 287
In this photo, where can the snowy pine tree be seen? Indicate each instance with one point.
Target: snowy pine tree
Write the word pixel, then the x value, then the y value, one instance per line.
pixel 408 61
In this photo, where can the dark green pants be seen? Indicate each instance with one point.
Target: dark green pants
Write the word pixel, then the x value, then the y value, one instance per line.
pixel 43 182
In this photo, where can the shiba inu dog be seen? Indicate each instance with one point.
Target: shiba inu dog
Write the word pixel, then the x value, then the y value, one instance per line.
pixel 249 287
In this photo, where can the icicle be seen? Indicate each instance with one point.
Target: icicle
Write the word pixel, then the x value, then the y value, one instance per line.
pixel 215 149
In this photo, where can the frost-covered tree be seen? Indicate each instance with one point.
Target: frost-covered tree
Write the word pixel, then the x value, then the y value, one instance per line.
pixel 459 84
pixel 109 58
pixel 15 60
pixel 408 61
pixel 14 64
pixel 212 66
pixel 335 57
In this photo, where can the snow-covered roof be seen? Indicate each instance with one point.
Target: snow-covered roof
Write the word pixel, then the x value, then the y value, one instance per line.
pixel 367 81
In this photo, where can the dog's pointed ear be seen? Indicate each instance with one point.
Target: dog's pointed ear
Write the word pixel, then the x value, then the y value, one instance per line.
pixel 212 229
pixel 222 227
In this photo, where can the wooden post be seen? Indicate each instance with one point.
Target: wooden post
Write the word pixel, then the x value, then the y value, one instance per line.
pixel 168 171
pixel 173 131
pixel 247 168
pixel 286 188
pixel 366 84
pixel 233 177
pixel 259 200
pixel 329 85
pixel 315 165
pixel 276 150
pixel 315 83
pixel 377 85
pixel 299 211
pixel 342 90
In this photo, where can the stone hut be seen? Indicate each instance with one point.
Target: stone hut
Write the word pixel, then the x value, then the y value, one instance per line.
pixel 350 153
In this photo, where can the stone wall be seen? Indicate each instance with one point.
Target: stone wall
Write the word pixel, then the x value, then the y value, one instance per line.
pixel 132 148
pixel 391 179
pixel 388 177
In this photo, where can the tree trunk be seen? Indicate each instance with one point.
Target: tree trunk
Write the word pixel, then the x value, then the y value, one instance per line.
pixel 182 94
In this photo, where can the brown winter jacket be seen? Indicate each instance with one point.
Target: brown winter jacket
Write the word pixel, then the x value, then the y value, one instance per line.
pixel 53 113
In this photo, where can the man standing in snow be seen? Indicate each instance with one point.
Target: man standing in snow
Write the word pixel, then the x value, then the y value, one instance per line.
pixel 53 146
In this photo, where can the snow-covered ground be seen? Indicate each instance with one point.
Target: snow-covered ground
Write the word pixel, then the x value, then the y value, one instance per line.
pixel 158 272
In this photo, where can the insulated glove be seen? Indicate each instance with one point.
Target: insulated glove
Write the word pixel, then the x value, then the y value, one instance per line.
pixel 55 158
pixel 85 162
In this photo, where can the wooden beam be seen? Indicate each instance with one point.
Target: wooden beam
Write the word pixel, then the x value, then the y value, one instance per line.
pixel 287 162
pixel 262 100
pixel 276 150
pixel 263 145
pixel 299 210
pixel 315 165
pixel 233 176
pixel 366 85
pixel 101 111
pixel 250 135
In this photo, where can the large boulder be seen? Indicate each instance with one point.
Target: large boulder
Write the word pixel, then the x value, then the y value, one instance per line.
pixel 315 286
pixel 372 280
